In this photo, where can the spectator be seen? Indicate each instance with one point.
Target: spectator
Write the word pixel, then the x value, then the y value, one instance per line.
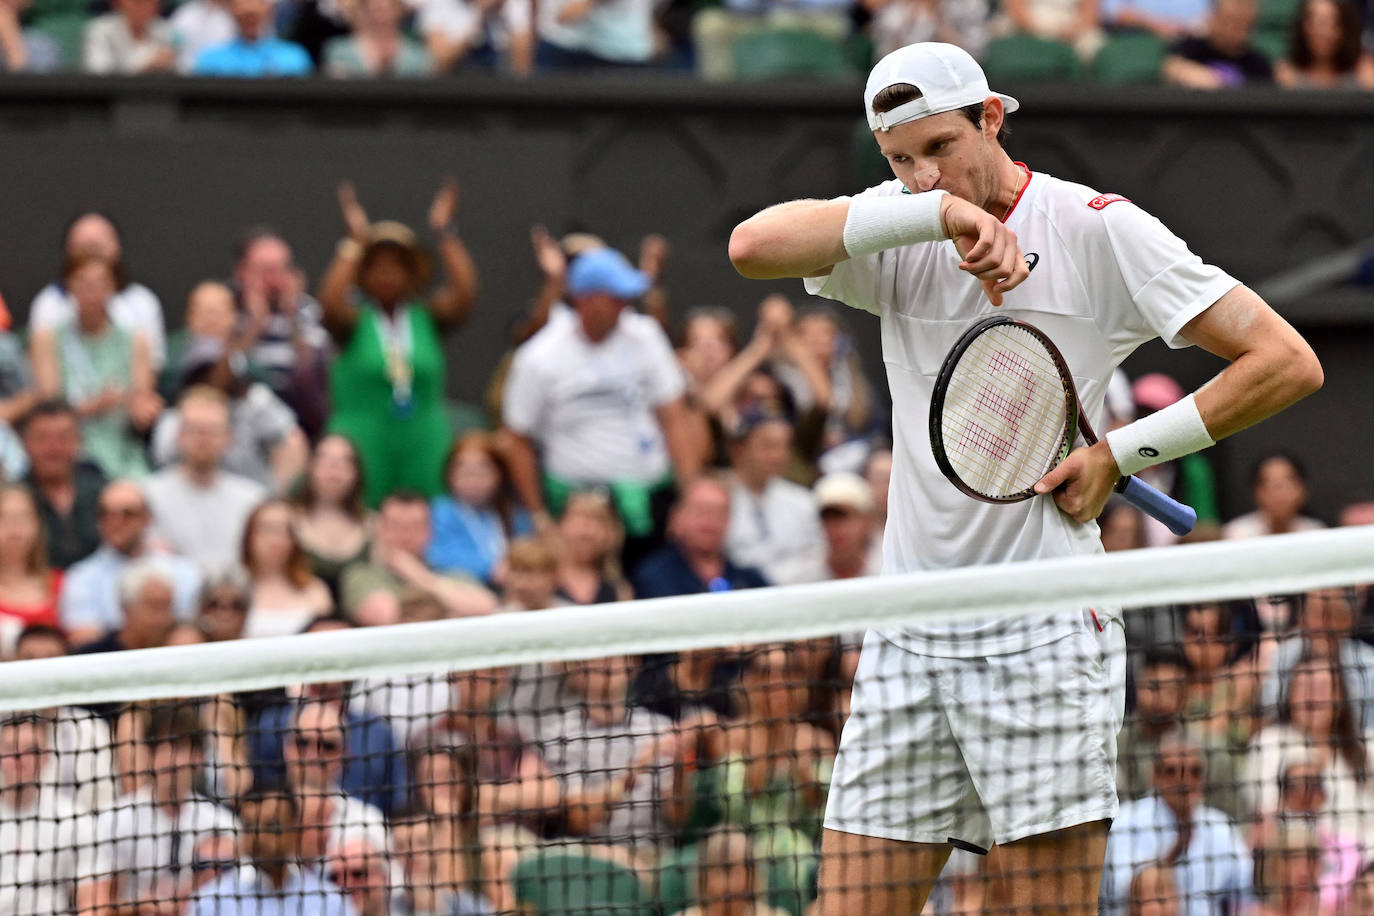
pixel 388 381
pixel 1166 19
pixel 1122 526
pixel 727 883
pixel 81 763
pixel 372 769
pixel 1324 49
pixel 280 334
pixel 464 35
pixel 211 314
pixel 1160 699
pixel 376 47
pixel 224 602
pixel 582 35
pixel 133 306
pixel 694 560
pixel 1302 801
pixel 1278 485
pixel 1362 894
pixel 199 508
pixel 1074 22
pixel 709 345
pixel 198 25
pixel 611 763
pixel 1154 893
pixel 1224 672
pixel 332 525
pixel 1210 862
pixel 285 595
pixel 716 29
pixel 363 871
pixel 430 884
pixel 265 443
pixel 397 559
pixel 1224 56
pixel 531 580
pixel 275 885
pixel 601 400
pixel 315 755
pixel 153 833
pixel 29 590
pixel 17 397
pixel 822 371
pixel 1316 717
pixel 53 863
pixel 1287 868
pixel 65 487
pixel 131 39
pixel 845 501
pixel 25 50
pixel 898 23
pixel 477 517
pixel 102 370
pixel 772 521
pixel 90 591
pixel 589 561
pixel 254 51
pixel 1326 630
pixel 147 592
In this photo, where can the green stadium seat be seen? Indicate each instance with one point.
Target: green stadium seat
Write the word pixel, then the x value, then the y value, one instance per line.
pixel 67 29
pixel 575 882
pixel 1276 15
pixel 788 888
pixel 1271 42
pixel 778 53
pixel 1026 58
pixel 1130 58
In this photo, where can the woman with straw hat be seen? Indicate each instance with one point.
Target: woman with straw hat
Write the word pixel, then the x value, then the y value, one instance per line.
pixel 387 384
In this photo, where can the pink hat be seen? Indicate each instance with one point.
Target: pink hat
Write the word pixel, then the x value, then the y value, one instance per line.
pixel 1156 391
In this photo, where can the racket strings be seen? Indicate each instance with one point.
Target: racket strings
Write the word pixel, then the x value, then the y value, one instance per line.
pixel 1005 413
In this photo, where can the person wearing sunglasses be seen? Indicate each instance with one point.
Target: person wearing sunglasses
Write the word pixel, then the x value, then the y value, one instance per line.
pixel 1209 859
pixel 90 594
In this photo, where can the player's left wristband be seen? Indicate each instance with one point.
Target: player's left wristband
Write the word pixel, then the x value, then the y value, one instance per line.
pixel 1164 435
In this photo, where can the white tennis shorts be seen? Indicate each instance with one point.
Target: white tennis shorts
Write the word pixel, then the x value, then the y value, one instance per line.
pixel 977 751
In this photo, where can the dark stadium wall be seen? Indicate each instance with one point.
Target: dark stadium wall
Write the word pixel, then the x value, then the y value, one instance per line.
pixel 1256 182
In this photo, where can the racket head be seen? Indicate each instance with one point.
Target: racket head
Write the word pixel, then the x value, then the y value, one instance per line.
pixel 1004 410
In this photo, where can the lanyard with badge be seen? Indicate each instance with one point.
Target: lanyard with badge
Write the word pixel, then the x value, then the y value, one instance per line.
pixel 398 349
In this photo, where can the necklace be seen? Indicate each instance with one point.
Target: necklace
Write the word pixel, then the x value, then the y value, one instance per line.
pixel 1022 177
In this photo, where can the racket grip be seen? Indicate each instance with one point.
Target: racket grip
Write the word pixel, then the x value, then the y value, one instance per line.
pixel 1177 517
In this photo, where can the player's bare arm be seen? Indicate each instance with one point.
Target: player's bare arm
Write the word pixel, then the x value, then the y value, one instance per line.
pixel 806 238
pixel 1270 368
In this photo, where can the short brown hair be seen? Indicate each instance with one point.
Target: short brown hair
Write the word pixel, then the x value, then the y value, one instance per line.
pixel 533 554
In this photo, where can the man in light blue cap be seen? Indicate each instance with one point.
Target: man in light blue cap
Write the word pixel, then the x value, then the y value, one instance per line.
pixel 595 399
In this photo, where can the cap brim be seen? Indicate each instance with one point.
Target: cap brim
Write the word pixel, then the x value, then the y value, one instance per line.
pixel 1008 103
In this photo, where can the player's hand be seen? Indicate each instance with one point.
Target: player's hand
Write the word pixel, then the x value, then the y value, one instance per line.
pixel 989 249
pixel 1082 482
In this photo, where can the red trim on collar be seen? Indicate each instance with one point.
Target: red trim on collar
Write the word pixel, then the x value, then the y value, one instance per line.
pixel 1021 193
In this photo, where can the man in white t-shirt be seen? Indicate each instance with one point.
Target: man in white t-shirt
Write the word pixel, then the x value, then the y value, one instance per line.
pixel 600 399
pixel 53 864
pixel 1000 733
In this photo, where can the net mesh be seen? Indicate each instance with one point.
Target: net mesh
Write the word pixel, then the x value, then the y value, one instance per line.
pixel 657 757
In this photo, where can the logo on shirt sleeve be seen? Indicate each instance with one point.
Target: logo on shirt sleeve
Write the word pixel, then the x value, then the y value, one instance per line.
pixel 1102 200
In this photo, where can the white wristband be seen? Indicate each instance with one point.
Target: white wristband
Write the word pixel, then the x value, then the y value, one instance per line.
pixel 878 223
pixel 1164 435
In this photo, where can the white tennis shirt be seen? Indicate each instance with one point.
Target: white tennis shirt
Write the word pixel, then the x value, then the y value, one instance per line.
pixel 1107 277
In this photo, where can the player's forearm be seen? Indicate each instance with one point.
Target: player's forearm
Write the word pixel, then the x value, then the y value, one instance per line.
pixel 1271 368
pixel 801 238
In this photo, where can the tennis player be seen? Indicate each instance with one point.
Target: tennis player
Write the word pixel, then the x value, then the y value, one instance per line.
pixel 1001 735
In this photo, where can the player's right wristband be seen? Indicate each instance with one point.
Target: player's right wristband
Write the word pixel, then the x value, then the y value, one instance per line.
pixel 878 223
pixel 1164 435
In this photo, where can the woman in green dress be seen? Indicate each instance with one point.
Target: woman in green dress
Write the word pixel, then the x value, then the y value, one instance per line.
pixel 387 384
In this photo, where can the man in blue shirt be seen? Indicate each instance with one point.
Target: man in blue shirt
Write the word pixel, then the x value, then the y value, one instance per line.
pixel 276 884
pixel 256 52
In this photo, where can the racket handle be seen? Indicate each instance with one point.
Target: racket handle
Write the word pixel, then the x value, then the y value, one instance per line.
pixel 1177 517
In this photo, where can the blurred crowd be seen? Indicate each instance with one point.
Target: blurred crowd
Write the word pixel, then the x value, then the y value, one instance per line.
pixel 289 461
pixel 1198 43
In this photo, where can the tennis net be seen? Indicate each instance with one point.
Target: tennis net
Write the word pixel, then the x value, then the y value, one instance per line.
pixel 676 755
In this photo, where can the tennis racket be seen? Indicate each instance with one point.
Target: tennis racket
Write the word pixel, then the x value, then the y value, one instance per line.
pixel 1006 411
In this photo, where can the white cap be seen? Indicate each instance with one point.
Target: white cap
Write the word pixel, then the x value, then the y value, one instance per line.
pixel 947 75
pixel 843 490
